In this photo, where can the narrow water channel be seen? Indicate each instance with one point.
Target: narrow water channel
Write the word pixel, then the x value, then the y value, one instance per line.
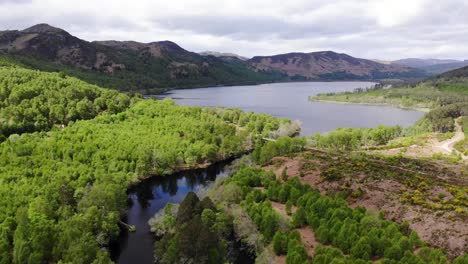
pixel 150 196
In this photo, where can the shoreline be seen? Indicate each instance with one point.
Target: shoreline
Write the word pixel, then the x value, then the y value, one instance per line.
pixel 420 109
pixel 168 90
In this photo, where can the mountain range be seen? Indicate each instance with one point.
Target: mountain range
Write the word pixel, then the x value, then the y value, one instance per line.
pixel 156 66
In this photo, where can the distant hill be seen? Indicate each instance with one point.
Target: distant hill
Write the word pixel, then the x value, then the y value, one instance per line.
pixel 441 68
pixel 420 63
pixel 432 66
pixel 157 66
pixel 222 54
pixel 461 73
pixel 326 65
pixel 125 65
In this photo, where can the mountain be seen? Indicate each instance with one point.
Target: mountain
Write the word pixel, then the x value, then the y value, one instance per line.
pixel 329 65
pixel 157 66
pixel 222 54
pixel 125 65
pixel 432 66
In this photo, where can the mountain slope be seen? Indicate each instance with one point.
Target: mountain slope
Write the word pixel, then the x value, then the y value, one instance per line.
pixel 157 66
pixel 126 66
pixel 454 74
pixel 328 65
pixel 441 68
pixel 432 66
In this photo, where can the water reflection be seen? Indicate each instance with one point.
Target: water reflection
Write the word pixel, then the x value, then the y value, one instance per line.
pixel 148 197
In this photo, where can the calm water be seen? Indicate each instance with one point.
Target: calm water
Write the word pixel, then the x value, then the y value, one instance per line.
pixel 291 100
pixel 150 196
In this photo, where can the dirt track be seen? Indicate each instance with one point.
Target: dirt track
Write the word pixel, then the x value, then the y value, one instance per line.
pixel 447 145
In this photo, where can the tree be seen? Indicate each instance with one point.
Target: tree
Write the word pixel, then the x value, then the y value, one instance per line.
pixel 361 249
pixel 394 252
pixel 280 243
pixel 284 174
pixel 288 207
pixel 299 218
pixel 187 209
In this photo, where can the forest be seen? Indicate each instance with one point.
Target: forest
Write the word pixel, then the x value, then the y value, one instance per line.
pixel 63 186
pixel 37 101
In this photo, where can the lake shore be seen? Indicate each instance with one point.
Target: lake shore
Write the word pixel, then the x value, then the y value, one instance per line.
pixel 421 109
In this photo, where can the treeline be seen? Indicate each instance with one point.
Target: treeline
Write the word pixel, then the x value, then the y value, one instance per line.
pixel 62 192
pixel 265 151
pixel 345 235
pixel 36 101
pixel 348 139
pixel 354 138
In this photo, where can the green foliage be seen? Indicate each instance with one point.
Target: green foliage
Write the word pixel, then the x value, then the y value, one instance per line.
pixel 353 235
pixel 280 243
pixel 288 207
pixel 346 139
pixel 36 101
pixel 296 253
pixel 155 74
pixel 461 259
pixel 200 234
pixel 462 145
pixel 83 171
pixel 282 146
pixel 284 174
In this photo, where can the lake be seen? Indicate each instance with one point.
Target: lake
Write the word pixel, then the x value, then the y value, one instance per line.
pixel 291 100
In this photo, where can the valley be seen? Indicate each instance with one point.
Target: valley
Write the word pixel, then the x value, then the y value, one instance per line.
pixel 143 152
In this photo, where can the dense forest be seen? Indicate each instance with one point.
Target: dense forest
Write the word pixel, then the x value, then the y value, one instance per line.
pixel 36 101
pixel 63 190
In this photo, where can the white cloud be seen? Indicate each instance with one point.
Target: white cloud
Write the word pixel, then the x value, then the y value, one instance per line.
pixel 384 29
pixel 390 13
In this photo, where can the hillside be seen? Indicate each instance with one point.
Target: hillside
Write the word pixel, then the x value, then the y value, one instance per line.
pixel 157 66
pixel 458 73
pixel 127 66
pixel 432 66
pixel 329 65
pixel 35 101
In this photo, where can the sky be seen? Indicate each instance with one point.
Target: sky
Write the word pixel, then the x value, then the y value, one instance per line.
pixel 374 29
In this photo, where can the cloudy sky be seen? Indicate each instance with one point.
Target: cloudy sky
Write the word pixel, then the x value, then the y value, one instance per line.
pixel 378 29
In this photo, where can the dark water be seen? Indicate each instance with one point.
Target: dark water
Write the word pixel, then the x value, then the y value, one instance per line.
pixel 291 100
pixel 149 197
